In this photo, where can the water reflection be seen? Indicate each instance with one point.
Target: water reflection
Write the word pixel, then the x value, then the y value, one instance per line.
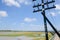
pixel 16 38
pixel 25 38
pixel 8 38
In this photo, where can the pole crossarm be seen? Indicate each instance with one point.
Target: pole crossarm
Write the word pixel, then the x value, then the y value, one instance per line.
pixel 43 3
pixel 44 9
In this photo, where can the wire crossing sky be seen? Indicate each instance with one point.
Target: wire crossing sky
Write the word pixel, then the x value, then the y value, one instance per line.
pixel 18 15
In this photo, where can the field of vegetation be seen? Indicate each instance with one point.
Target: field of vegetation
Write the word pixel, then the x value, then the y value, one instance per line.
pixel 34 35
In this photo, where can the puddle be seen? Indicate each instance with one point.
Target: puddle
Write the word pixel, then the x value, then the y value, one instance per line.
pixel 24 38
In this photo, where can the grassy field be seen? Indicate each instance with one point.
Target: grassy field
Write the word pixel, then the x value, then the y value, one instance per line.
pixel 35 35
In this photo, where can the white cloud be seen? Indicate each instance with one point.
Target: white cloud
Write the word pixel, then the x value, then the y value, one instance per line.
pixel 31 27
pixel 58 12
pixel 11 3
pixel 16 3
pixel 58 7
pixel 3 14
pixel 53 14
pixel 26 2
pixel 29 19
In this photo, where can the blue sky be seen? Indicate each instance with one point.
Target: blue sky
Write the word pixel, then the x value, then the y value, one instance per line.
pixel 18 15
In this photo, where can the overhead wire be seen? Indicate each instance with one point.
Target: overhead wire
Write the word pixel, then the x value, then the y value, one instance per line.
pixel 52 16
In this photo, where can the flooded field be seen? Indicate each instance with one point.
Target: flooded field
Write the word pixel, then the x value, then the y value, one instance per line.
pixel 7 38
pixel 16 38
pixel 23 36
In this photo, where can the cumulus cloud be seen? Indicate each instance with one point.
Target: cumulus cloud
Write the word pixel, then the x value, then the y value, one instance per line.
pixel 58 7
pixel 53 14
pixel 31 27
pixel 3 14
pixel 26 2
pixel 11 3
pixel 29 19
pixel 16 3
pixel 59 12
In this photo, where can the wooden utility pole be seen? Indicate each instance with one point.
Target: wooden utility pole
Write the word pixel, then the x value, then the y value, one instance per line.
pixel 44 15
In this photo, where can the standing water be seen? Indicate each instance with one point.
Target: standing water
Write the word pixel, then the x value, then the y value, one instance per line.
pixel 16 38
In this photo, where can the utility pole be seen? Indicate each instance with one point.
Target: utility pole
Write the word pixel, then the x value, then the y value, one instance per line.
pixel 44 16
pixel 45 24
